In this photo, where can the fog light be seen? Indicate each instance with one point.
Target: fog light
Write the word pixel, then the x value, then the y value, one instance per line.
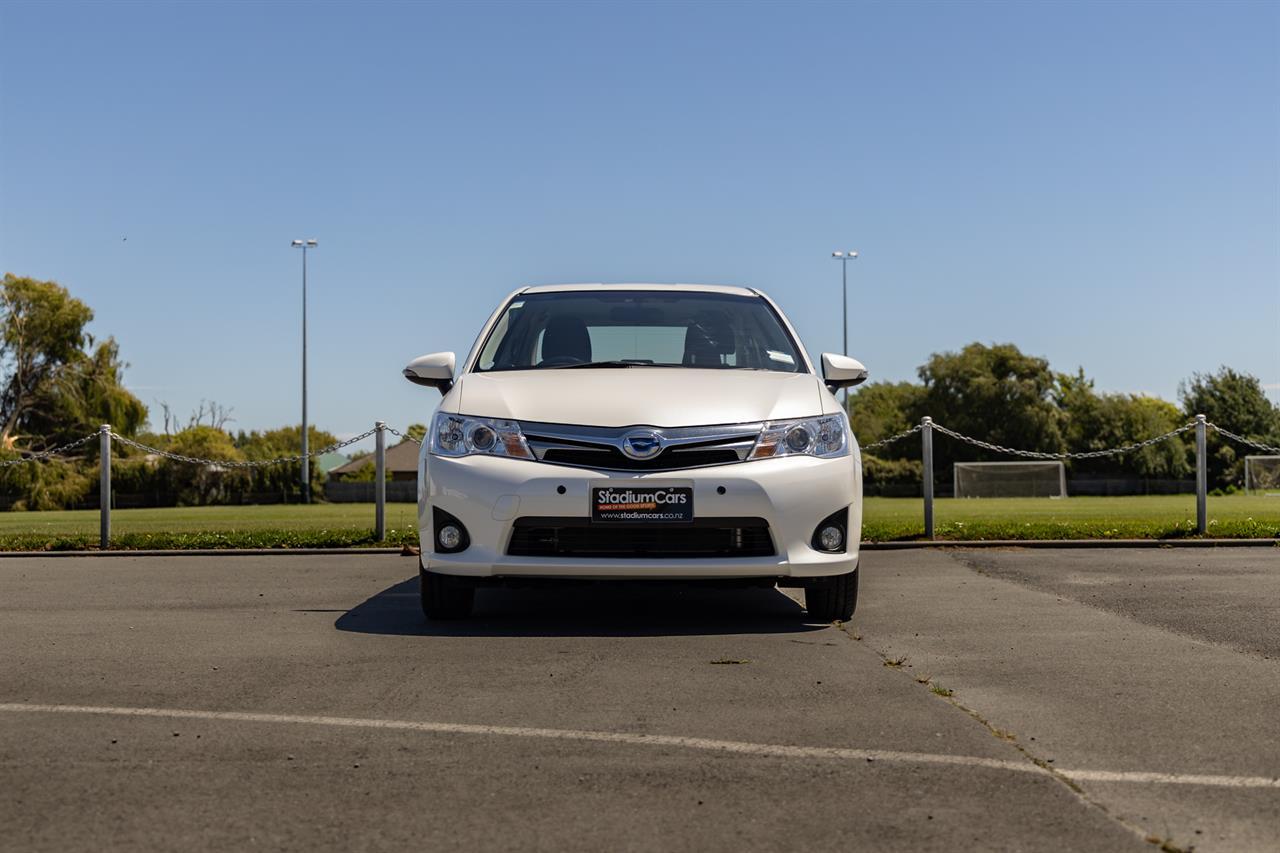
pixel 451 534
pixel 449 537
pixel 831 535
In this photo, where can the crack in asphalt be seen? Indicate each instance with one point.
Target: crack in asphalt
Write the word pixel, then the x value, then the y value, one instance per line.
pixel 1011 738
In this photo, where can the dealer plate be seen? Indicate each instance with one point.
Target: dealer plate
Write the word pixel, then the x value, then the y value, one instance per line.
pixel 642 504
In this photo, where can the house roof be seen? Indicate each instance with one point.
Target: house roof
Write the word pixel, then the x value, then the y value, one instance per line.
pixel 326 462
pixel 401 457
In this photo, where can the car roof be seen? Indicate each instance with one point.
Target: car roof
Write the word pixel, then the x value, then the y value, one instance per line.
pixel 698 288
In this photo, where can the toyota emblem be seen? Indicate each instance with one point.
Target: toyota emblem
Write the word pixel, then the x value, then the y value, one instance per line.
pixel 642 444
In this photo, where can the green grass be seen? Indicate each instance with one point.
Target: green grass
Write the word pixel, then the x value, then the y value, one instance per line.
pixel 885 519
pixel 1138 517
pixel 315 526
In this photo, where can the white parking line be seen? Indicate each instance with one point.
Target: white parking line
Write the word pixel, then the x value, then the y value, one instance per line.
pixel 838 753
pixel 1170 778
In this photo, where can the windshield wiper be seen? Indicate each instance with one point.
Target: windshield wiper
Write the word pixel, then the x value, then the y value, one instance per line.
pixel 602 364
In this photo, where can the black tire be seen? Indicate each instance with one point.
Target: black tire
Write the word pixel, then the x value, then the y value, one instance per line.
pixel 445 596
pixel 832 599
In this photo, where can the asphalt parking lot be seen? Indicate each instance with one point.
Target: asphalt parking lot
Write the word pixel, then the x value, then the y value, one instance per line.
pixel 1099 699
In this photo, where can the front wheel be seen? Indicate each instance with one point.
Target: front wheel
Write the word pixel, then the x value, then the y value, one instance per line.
pixel 832 599
pixel 445 596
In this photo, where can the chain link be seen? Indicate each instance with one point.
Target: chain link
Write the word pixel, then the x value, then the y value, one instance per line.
pixel 45 454
pixel 1257 445
pixel 1089 454
pixel 891 439
pixel 398 433
pixel 251 463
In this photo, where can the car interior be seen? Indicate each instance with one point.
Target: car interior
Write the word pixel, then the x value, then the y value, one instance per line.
pixel 570 330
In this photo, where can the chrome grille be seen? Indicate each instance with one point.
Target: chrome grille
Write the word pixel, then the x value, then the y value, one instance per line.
pixel 605 447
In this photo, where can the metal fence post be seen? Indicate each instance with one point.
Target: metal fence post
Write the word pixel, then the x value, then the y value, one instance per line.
pixel 926 438
pixel 1202 478
pixel 380 482
pixel 104 487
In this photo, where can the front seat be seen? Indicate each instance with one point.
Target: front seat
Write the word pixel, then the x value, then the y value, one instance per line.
pixel 707 340
pixel 566 341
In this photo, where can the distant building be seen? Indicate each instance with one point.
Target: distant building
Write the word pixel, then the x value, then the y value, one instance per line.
pixel 402 463
pixel 402 466
pixel 328 461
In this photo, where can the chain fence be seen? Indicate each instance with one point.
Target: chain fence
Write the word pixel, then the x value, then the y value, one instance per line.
pixel 926 428
pixel 399 434
pixel 37 456
pixel 1200 425
pixel 236 463
pixel 45 454
pixel 1084 454
pixel 875 445
pixel 107 436
pixel 1265 448
pixel 1087 454
pixel 885 442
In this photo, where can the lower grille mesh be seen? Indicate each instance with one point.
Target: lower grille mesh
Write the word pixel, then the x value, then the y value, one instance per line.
pixel 706 537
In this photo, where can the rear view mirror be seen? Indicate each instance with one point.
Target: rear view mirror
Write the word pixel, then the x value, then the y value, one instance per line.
pixel 435 370
pixel 840 371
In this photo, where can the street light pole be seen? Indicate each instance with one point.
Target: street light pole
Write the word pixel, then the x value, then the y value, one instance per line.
pixel 306 459
pixel 844 258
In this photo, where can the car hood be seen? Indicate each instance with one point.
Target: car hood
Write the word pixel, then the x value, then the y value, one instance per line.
pixel 653 396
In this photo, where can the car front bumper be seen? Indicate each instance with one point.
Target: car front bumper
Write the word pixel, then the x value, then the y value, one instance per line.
pixel 488 494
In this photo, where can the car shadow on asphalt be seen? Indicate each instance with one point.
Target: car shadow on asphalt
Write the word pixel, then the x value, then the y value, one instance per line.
pixel 587 610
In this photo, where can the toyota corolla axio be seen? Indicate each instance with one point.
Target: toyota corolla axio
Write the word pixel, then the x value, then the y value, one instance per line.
pixel 639 432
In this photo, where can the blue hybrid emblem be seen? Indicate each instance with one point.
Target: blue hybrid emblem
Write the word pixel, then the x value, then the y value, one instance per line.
pixel 642 444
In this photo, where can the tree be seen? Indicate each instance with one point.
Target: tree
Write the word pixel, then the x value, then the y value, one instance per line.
pixel 56 382
pixel 416 431
pixel 882 409
pixel 1136 417
pixel 995 393
pixel 1236 402
pixel 193 484
pixel 42 330
pixel 53 483
pixel 87 393
pixel 1094 421
pixel 284 479
pixel 217 415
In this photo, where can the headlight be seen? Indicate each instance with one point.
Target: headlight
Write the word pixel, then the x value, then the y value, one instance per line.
pixel 459 435
pixel 826 436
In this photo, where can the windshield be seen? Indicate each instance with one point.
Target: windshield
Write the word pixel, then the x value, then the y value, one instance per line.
pixel 633 328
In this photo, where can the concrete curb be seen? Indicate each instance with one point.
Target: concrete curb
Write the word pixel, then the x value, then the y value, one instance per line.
pixel 866 546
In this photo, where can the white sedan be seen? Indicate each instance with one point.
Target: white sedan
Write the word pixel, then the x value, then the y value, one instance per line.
pixel 639 432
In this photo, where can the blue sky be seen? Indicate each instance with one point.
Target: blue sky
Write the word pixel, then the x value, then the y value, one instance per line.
pixel 1097 183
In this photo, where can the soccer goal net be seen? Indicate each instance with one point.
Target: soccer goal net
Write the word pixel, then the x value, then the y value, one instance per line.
pixel 1262 475
pixel 1010 480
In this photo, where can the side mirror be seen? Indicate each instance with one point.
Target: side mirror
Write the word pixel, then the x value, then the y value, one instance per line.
pixel 435 370
pixel 840 371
